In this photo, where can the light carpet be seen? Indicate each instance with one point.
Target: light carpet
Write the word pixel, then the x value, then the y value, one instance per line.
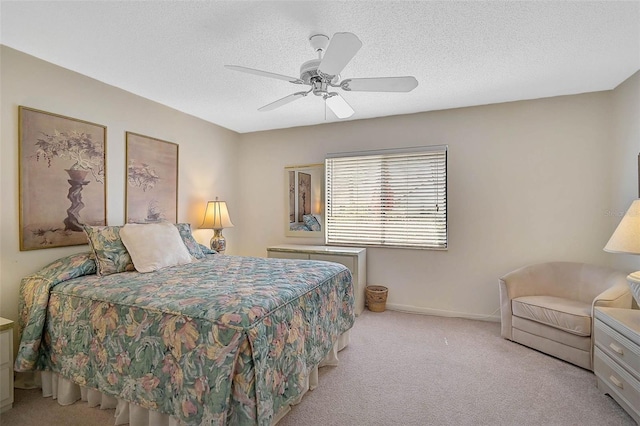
pixel 407 369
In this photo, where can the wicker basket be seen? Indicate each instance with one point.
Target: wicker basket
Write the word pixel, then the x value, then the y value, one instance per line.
pixel 376 296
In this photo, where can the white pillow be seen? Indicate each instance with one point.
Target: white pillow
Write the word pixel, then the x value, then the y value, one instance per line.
pixel 154 246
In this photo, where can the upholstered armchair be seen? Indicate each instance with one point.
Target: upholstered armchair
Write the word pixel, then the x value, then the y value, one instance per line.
pixel 549 306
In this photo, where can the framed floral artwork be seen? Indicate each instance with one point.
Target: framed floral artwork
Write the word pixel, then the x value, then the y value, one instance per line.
pixel 152 180
pixel 61 178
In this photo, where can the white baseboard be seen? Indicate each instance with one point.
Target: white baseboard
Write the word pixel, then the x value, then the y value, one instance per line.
pixel 442 313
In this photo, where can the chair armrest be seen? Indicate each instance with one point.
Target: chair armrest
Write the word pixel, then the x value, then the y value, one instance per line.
pixel 618 296
pixel 532 280
pixel 505 310
pixel 521 282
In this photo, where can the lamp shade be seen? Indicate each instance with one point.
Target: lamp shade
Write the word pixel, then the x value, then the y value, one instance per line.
pixel 216 216
pixel 626 237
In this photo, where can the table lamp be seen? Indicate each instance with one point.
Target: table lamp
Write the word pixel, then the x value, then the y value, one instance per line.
pixel 216 217
pixel 626 239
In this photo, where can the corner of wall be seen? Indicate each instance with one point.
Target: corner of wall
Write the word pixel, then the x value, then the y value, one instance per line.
pixel 625 147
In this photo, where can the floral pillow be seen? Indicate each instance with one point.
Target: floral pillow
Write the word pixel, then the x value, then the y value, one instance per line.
pixel 298 227
pixel 192 245
pixel 207 250
pixel 111 255
pixel 311 222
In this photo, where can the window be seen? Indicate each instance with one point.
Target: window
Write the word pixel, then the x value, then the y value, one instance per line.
pixel 390 198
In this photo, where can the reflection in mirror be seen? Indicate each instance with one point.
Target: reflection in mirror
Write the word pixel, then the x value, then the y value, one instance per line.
pixel 305 205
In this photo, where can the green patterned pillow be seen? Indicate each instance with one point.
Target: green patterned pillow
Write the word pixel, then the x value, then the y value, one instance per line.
pixel 111 255
pixel 311 222
pixel 188 240
pixel 207 250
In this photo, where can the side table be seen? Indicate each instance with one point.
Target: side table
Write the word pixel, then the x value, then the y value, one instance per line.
pixel 6 364
pixel 616 358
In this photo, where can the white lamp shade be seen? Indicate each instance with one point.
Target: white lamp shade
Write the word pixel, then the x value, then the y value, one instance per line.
pixel 626 237
pixel 216 216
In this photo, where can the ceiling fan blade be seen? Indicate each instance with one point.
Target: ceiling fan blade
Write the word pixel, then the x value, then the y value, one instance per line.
pixel 339 106
pixel 264 73
pixel 380 84
pixel 283 101
pixel 342 48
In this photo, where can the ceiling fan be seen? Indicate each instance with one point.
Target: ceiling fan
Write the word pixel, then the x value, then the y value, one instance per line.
pixel 323 75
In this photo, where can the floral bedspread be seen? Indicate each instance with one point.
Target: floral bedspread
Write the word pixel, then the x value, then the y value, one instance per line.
pixel 224 340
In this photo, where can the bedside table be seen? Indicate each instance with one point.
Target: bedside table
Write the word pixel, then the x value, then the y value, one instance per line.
pixel 616 357
pixel 6 364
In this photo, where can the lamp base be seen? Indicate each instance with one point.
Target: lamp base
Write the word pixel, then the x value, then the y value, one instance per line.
pixel 218 242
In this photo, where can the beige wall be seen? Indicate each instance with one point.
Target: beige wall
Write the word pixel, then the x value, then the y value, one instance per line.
pixel 528 182
pixel 625 146
pixel 207 154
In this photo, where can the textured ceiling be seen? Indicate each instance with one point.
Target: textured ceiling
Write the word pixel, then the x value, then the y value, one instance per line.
pixel 462 53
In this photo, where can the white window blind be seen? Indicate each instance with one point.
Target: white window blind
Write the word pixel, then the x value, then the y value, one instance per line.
pixel 394 198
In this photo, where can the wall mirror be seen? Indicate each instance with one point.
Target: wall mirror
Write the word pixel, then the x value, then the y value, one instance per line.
pixel 304 201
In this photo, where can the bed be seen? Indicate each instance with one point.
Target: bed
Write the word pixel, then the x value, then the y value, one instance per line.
pixel 219 340
pixel 310 222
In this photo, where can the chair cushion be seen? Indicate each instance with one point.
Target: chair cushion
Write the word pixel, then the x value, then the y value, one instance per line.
pixel 569 315
pixel 534 328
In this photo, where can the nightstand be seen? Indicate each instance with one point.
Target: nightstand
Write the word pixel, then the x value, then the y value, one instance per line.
pixel 6 364
pixel 616 361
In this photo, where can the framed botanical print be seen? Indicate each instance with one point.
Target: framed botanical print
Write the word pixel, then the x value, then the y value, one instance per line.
pixel 152 180
pixel 62 178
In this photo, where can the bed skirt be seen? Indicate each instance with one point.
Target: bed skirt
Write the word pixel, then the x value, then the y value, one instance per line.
pixel 67 393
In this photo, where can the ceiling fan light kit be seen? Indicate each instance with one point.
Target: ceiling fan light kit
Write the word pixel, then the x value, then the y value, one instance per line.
pixel 323 73
pixel 338 105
